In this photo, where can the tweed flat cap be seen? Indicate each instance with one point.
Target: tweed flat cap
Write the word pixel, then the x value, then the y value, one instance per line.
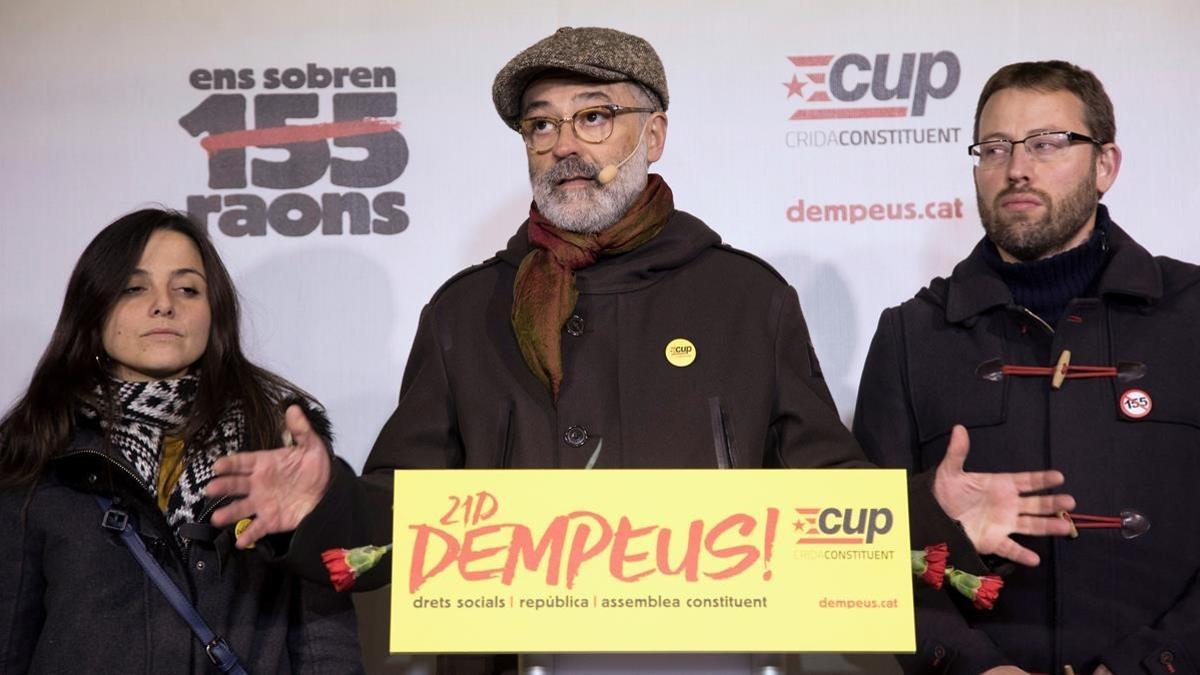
pixel 602 53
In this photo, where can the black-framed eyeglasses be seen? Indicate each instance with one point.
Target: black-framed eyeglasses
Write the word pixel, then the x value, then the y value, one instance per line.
pixel 593 124
pixel 1044 146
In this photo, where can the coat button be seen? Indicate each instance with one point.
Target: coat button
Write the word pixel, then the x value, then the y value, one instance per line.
pixel 575 325
pixel 200 565
pixel 575 436
pixel 92 478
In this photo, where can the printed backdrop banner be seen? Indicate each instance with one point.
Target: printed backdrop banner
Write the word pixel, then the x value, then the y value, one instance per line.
pixel 651 561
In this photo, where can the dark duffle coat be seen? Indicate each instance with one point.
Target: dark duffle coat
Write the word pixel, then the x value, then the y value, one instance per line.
pixel 1133 603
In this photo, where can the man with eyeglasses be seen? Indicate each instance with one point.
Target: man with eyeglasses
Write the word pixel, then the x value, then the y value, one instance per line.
pixel 1059 342
pixel 613 331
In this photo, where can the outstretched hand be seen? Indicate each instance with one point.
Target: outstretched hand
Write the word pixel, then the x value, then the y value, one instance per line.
pixel 277 488
pixel 993 506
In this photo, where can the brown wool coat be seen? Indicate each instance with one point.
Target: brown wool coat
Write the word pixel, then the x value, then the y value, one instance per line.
pixel 754 396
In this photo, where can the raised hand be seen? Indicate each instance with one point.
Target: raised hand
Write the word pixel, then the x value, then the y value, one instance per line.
pixel 993 506
pixel 277 488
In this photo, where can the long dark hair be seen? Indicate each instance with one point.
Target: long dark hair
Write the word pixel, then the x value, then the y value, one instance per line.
pixel 74 364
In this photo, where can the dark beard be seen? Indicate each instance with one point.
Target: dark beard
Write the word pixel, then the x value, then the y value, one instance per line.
pixel 1026 240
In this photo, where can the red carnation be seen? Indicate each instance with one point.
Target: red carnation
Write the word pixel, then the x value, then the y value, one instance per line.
pixel 982 591
pixel 930 564
pixel 988 591
pixel 346 565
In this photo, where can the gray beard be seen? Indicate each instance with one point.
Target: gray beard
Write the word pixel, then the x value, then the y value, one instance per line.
pixel 1027 240
pixel 596 207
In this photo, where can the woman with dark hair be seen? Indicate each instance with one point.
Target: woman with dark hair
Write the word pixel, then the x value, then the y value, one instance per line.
pixel 142 387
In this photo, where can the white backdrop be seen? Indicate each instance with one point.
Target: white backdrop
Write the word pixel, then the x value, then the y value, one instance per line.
pixel 93 95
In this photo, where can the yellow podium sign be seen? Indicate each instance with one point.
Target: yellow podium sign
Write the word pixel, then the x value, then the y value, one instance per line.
pixel 651 561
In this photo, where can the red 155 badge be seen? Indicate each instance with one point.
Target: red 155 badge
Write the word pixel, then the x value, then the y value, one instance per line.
pixel 1135 403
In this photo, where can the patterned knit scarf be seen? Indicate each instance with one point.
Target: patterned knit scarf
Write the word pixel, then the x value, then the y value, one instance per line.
pixel 544 293
pixel 146 412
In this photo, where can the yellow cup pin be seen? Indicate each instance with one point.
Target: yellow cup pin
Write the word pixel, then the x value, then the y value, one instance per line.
pixel 680 352
pixel 241 527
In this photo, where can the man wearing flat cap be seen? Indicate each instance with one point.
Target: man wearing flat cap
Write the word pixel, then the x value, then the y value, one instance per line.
pixel 613 331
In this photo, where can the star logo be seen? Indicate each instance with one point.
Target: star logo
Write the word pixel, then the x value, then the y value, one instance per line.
pixel 807 522
pixel 795 87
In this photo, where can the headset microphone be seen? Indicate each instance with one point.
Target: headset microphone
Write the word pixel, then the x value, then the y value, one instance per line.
pixel 609 173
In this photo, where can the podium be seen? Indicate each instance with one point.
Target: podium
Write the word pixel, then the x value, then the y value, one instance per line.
pixel 570 566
